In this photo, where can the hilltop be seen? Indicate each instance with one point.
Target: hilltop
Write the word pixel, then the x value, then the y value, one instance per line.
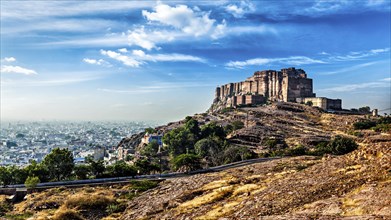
pixel 356 185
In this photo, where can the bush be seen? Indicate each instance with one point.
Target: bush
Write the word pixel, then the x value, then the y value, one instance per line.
pixel 382 128
pixel 364 125
pixel 236 153
pixel 144 185
pixel 297 151
pixel 31 182
pixel 342 145
pixel 187 161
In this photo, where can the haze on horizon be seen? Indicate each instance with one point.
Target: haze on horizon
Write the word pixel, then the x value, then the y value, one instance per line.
pixel 161 60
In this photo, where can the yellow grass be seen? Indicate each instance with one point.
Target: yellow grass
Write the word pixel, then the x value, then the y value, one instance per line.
pixel 220 211
pixel 248 188
pixel 215 195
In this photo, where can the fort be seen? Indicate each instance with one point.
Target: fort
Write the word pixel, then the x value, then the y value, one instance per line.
pixel 287 85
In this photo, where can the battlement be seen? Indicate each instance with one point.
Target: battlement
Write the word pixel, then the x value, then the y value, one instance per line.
pixel 288 85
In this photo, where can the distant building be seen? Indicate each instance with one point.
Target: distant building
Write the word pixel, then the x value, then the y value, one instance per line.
pixel 152 137
pixel 322 102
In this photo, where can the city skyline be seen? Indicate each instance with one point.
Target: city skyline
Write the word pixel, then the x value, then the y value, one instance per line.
pixel 161 60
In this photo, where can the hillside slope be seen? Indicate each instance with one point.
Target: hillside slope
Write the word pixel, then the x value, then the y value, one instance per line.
pixel 352 186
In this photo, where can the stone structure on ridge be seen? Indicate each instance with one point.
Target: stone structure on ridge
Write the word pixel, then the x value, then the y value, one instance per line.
pixel 287 85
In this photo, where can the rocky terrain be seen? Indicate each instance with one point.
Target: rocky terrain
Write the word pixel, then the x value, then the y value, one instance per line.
pixel 290 124
pixel 356 185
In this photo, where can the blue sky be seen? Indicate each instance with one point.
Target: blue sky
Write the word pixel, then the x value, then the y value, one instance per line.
pixel 161 60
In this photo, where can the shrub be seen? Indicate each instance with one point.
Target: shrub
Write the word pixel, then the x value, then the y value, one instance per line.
pixel 382 128
pixel 236 153
pixel 297 151
pixel 342 145
pixel 144 185
pixel 188 161
pixel 31 182
pixel 114 208
pixel 364 125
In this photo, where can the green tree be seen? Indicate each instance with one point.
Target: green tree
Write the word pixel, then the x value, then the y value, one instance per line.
pixel 150 149
pixel 38 170
pixel 309 103
pixel 150 130
pixel 213 130
pixel 59 163
pixel 188 162
pixel 145 166
pixel 82 171
pixel 120 168
pixel 365 109
pixel 238 153
pixel 179 141
pixel 31 182
pixel 97 167
pixel 192 126
pixel 5 176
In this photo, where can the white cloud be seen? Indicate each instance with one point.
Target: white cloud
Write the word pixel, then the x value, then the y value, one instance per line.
pixel 144 39
pixel 157 87
pixel 127 61
pixel 17 69
pixel 111 40
pixel 293 60
pixel 9 59
pixel 359 54
pixel 123 50
pixel 138 57
pixel 383 83
pixel 238 11
pixel 100 62
pixel 138 53
pixel 348 69
pixel 181 17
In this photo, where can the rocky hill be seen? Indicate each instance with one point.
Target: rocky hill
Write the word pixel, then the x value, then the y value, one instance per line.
pixel 287 124
pixel 356 185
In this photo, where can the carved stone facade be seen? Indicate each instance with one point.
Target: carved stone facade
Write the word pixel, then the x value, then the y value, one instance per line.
pixel 285 85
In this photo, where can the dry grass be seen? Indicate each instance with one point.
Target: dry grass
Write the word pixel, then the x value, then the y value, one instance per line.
pixel 220 210
pixel 85 201
pixel 214 196
pixel 67 214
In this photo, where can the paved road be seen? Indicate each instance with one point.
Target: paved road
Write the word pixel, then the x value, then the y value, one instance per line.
pixel 145 177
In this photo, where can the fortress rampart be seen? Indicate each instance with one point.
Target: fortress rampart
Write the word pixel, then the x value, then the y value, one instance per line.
pixel 288 85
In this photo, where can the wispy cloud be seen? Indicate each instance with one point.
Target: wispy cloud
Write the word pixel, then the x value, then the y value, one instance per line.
pixel 348 69
pixel 49 82
pixel 126 60
pixel 356 55
pixel 60 25
pixel 240 9
pixel 44 9
pixel 108 40
pixel 293 60
pixel 383 83
pixel 9 59
pixel 156 87
pixel 139 57
pixel 100 62
pixel 17 70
